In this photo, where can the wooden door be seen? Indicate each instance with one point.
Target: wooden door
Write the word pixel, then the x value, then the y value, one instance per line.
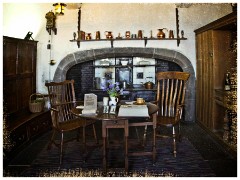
pixel 204 85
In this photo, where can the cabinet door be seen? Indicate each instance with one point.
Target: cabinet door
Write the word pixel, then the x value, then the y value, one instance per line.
pixel 9 58
pixel 204 91
pixel 26 58
pixel 10 87
pixel 19 81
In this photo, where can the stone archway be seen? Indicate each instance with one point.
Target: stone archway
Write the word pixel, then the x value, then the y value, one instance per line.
pixel 156 53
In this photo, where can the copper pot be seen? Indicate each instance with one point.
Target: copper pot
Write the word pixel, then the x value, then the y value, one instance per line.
pixel 109 34
pixel 161 34
pixel 88 37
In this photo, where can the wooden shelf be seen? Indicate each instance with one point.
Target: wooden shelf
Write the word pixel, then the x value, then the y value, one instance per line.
pixel 130 39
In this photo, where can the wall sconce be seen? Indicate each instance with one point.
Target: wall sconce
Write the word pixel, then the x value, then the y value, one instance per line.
pixel 59 8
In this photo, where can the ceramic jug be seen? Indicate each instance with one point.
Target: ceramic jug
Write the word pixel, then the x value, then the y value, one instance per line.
pixel 161 34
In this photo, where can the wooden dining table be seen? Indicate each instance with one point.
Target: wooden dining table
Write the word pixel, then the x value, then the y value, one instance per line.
pixel 110 121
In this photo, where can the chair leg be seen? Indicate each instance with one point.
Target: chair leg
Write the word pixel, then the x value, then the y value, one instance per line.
pixel 179 133
pixel 61 150
pixel 84 138
pixel 95 134
pixel 145 135
pixel 137 134
pixel 51 140
pixel 174 143
pixel 78 134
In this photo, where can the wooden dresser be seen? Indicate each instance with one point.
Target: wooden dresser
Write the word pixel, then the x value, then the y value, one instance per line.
pixel 19 82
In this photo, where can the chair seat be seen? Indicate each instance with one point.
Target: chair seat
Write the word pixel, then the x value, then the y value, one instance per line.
pixel 166 121
pixel 74 124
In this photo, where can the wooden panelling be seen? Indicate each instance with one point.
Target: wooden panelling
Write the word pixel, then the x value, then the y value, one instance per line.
pixel 214 59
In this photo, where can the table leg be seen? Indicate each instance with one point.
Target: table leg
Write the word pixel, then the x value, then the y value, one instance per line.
pixel 104 138
pixel 126 154
pixel 126 133
pixel 84 139
pixel 104 156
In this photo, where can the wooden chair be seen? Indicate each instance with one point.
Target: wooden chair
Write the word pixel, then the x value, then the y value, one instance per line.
pixel 171 88
pixel 62 100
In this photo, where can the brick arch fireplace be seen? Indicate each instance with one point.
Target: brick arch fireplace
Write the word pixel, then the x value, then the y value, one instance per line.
pixel 156 53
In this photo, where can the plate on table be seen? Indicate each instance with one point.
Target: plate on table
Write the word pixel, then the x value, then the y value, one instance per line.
pixel 135 103
pixel 130 102
pixel 79 107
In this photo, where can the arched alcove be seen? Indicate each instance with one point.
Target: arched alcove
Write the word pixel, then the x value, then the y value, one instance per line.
pixel 157 53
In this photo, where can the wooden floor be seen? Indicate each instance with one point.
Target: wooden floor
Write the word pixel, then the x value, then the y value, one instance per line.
pixel 221 163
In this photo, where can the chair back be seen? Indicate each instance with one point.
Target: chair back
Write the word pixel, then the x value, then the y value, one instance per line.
pixel 171 87
pixel 62 99
pixel 61 92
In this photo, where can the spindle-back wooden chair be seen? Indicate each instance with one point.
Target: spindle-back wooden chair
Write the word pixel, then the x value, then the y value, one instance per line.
pixel 171 89
pixel 62 100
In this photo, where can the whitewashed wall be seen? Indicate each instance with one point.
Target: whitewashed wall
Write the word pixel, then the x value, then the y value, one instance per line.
pixel 18 19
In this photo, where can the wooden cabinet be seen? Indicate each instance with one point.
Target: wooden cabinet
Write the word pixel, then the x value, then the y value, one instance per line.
pixel 19 82
pixel 214 59
pixel 19 74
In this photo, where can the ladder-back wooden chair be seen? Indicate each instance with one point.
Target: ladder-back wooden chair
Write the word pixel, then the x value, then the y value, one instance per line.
pixel 171 88
pixel 62 100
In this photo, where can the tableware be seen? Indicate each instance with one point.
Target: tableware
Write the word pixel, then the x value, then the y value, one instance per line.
pixel 140 101
pixel 130 103
pixel 105 101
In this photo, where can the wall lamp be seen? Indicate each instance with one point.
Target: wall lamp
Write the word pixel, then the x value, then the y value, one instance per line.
pixel 59 8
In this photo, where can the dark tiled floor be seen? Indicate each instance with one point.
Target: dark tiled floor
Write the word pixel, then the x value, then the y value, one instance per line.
pixel 221 161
